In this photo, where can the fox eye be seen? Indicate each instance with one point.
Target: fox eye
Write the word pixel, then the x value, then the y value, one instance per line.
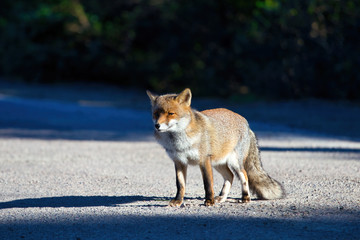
pixel 171 113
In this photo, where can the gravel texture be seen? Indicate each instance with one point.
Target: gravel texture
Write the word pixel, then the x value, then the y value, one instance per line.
pixel 74 171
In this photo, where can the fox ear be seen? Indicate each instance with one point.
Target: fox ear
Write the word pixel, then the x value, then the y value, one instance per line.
pixel 151 96
pixel 184 97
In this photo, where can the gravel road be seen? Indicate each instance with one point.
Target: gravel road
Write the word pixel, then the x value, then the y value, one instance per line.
pixel 73 171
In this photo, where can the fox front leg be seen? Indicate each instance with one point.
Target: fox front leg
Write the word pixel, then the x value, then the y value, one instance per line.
pixel 206 171
pixel 180 170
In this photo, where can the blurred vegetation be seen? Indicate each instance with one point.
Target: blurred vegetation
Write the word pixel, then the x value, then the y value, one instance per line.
pixel 230 48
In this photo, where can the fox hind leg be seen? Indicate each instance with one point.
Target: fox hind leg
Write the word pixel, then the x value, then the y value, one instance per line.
pixel 228 180
pixel 241 174
pixel 234 165
pixel 245 186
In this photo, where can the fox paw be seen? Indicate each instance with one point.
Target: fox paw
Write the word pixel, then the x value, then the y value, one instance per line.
pixel 175 203
pixel 209 202
pixel 245 199
pixel 220 199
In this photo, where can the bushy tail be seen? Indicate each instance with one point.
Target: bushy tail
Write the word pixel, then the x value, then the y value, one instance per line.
pixel 260 182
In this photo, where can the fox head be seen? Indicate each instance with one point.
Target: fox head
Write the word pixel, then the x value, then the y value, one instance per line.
pixel 171 112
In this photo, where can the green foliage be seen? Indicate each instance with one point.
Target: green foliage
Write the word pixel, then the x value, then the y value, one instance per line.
pixel 233 48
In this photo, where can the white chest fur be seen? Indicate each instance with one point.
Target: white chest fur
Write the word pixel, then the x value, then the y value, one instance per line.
pixel 180 147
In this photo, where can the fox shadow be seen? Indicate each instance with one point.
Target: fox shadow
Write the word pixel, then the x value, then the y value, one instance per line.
pixel 81 201
pixel 96 201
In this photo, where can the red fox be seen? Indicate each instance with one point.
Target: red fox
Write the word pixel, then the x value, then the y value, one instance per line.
pixel 216 138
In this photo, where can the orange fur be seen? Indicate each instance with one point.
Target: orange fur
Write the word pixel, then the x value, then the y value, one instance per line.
pixel 245 174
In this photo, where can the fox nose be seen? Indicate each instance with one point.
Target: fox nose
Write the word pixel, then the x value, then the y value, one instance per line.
pixel 157 126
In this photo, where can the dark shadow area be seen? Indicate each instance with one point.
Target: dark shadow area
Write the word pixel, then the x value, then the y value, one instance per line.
pixel 90 201
pixel 338 119
pixel 31 118
pixel 76 201
pixel 105 225
pixel 178 226
pixel 55 119
pixel 305 149
pixel 77 135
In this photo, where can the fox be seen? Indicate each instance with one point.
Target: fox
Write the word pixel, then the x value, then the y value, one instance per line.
pixel 215 138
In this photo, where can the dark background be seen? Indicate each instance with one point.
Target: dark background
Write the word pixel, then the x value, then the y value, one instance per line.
pixel 237 49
